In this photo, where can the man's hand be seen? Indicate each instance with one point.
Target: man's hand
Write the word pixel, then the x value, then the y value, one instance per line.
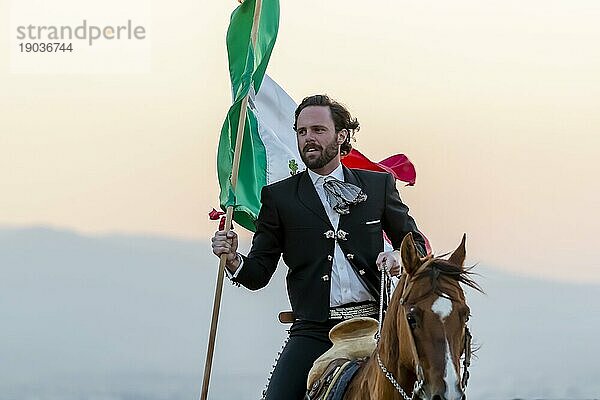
pixel 227 243
pixel 391 261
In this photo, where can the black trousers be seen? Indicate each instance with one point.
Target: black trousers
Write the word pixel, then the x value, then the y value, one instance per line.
pixel 306 342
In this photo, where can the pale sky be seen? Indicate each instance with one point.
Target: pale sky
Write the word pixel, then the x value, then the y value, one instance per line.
pixel 496 104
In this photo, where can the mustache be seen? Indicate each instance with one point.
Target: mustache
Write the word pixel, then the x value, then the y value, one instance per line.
pixel 309 145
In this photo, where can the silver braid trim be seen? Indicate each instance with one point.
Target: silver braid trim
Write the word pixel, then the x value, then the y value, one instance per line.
pixel 264 392
pixel 381 296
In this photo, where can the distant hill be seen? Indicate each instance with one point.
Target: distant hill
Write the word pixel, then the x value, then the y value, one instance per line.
pixel 127 317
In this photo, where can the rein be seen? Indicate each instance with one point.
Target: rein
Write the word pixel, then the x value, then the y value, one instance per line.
pixel 418 386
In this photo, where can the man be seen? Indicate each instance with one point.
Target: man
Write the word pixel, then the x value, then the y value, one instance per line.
pixel 328 224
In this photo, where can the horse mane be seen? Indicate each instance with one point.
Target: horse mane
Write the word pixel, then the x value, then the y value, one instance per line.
pixel 451 272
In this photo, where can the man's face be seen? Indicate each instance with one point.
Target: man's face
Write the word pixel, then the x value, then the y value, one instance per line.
pixel 318 143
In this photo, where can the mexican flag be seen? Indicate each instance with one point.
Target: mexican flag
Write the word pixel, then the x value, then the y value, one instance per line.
pixel 269 150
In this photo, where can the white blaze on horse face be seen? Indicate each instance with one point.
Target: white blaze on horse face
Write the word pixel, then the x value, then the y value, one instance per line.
pixel 450 377
pixel 443 308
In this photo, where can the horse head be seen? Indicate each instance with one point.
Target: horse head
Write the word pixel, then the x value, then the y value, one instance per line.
pixel 430 315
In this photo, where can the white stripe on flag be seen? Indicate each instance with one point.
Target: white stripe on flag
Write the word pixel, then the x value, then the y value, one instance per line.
pixel 274 110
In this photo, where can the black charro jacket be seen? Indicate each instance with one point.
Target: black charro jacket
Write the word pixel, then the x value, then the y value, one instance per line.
pixel 293 222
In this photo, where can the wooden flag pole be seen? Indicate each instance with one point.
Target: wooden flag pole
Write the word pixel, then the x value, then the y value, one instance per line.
pixel 228 219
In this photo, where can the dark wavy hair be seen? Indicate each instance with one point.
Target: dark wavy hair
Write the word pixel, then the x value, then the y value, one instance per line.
pixel 339 113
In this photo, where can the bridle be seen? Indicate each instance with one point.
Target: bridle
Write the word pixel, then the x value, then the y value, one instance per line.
pixel 419 382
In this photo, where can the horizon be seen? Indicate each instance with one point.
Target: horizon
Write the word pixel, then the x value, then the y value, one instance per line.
pixel 245 246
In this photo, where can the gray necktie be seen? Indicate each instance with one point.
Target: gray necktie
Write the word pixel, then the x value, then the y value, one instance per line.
pixel 340 195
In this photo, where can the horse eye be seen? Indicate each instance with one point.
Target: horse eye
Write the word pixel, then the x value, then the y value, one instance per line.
pixel 412 321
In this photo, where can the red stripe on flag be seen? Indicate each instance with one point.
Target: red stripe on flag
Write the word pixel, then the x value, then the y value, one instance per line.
pixel 398 165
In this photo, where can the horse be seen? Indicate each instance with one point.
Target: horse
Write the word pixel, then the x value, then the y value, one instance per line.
pixel 424 333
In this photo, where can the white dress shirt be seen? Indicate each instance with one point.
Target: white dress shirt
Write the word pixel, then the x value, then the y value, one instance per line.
pixel 346 287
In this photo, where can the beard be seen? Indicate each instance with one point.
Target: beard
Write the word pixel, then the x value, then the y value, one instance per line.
pixel 327 154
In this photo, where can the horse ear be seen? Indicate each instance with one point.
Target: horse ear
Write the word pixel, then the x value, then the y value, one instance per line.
pixel 458 257
pixel 410 258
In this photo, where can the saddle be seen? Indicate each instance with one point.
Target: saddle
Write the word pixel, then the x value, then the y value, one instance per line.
pixel 336 378
pixel 353 339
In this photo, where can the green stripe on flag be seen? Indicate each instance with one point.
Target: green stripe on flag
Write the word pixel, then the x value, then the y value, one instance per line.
pixel 247 66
